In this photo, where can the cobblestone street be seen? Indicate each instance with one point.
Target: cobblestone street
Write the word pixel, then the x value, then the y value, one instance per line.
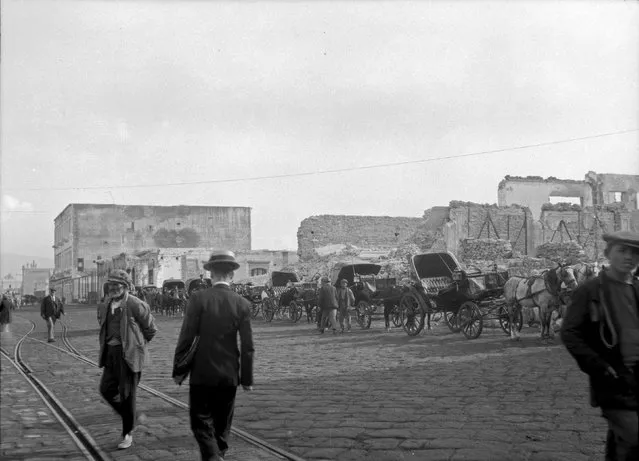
pixel 373 395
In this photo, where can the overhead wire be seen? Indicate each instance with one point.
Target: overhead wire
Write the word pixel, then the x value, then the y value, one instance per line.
pixel 319 172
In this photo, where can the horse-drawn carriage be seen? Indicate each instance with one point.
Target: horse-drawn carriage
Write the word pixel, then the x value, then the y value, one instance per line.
pixel 173 297
pixel 251 289
pixel 197 283
pixel 465 298
pixel 288 296
pixel 370 292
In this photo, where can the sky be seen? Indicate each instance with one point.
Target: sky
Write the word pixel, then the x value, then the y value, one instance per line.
pixel 110 95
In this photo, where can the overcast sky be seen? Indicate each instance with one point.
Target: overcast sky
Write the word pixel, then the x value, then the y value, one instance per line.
pixel 151 92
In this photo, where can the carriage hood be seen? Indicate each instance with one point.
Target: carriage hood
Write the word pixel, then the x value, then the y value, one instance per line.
pixel 173 283
pixel 348 270
pixel 428 265
pixel 280 279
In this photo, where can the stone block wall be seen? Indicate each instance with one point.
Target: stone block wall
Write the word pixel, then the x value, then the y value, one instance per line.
pixel 584 226
pixel 475 221
pixel 108 230
pixel 378 232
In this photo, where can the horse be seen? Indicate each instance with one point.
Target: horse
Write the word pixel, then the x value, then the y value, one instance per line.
pixel 542 291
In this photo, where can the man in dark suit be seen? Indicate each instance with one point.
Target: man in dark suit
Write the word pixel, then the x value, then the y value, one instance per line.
pixel 216 315
pixel 50 311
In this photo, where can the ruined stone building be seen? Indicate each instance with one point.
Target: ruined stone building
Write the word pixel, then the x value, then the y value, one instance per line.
pixel 530 211
pixel 87 234
pixel 369 232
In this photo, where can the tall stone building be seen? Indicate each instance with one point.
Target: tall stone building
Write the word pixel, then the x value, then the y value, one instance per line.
pixel 86 234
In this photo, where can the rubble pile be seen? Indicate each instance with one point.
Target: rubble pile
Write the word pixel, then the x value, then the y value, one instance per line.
pixel 567 252
pixel 486 249
pixel 526 266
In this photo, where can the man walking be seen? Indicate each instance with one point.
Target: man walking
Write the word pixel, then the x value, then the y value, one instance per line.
pixel 126 326
pixel 327 301
pixel 345 300
pixel 216 316
pixel 601 331
pixel 50 311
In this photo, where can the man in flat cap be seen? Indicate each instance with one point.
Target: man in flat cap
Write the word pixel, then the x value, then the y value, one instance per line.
pixel 601 331
pixel 216 316
pixel 50 311
pixel 126 326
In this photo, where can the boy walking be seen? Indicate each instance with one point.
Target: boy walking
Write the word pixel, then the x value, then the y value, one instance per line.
pixel 601 331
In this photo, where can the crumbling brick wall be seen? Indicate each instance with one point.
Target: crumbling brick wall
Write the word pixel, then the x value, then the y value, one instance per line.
pixel 477 221
pixel 585 226
pixel 378 232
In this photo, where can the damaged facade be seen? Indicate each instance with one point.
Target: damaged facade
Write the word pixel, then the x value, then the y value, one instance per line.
pixel 523 219
pixel 384 233
pixel 87 235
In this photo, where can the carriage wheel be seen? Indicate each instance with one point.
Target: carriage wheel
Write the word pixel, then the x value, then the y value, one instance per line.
pixel 504 321
pixel 451 321
pixel 396 316
pixel 470 320
pixel 295 311
pixel 362 313
pixel 269 309
pixel 412 315
pixel 255 309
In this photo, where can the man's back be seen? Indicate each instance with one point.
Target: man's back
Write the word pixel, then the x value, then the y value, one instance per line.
pixel 217 315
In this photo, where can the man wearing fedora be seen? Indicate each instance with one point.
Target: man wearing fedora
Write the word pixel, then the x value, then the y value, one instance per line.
pixel 601 331
pixel 327 302
pixel 126 326
pixel 216 316
pixel 50 311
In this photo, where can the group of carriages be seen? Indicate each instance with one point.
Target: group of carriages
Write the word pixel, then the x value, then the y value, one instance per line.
pixel 438 288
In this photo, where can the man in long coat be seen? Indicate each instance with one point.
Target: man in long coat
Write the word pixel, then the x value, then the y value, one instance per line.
pixel 126 326
pixel 216 316
pixel 50 310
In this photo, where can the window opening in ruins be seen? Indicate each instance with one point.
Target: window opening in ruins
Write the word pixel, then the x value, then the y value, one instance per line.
pixel 555 199
pixel 258 271
pixel 616 197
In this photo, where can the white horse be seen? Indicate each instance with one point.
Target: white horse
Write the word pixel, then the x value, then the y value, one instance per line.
pixel 541 291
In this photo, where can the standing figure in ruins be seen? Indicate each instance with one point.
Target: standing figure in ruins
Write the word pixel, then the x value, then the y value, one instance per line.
pixel 125 329
pixel 327 300
pixel 601 331
pixel 345 301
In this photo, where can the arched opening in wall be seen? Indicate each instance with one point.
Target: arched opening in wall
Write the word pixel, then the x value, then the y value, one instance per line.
pixel 555 199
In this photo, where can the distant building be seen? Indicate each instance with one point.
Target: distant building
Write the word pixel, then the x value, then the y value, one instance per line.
pixel 87 234
pixel 12 283
pixel 35 280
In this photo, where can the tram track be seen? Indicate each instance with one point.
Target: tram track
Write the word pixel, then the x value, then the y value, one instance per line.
pixel 89 448
pixel 72 351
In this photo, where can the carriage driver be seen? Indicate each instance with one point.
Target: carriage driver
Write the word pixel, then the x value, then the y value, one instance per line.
pixel 601 331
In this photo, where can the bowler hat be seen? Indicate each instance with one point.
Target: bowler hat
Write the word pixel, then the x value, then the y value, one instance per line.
pixel 325 279
pixel 51 289
pixel 628 238
pixel 343 281
pixel 221 257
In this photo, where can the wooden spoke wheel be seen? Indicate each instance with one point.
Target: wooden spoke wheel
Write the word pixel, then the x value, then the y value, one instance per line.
pixel 412 315
pixel 450 318
pixel 470 320
pixel 295 311
pixel 396 316
pixel 363 315
pixel 269 309
pixel 504 321
pixel 255 309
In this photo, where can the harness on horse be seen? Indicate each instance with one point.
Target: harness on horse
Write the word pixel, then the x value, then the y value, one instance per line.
pixel 552 284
